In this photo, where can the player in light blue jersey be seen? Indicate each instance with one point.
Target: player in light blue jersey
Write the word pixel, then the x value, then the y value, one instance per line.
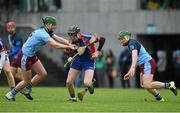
pixel 27 59
pixel 15 43
pixel 147 66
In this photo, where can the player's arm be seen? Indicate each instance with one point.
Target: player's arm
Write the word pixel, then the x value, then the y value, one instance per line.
pixel 101 41
pixel 134 59
pixel 61 40
pixel 132 69
pixel 58 45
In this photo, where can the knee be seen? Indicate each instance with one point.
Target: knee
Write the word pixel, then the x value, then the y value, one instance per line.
pixel 7 72
pixel 43 74
pixel 87 83
pixel 69 82
pixel 147 86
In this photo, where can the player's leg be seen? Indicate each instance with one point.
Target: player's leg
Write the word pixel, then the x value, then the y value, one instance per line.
pixel 25 63
pixel 18 74
pixel 148 79
pixel 148 83
pixel 41 73
pixel 73 73
pixel 25 91
pixel 26 75
pixel 88 80
pixel 15 70
pixel 9 75
pixel 88 83
pixel 160 85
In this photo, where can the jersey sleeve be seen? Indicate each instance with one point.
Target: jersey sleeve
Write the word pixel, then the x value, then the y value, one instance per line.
pixel 46 38
pixel 133 45
pixel 88 36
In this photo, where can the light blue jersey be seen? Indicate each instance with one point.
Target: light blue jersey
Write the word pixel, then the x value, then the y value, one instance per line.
pixel 143 55
pixel 37 39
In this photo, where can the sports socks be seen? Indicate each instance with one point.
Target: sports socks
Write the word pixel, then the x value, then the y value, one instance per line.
pixel 14 91
pixel 29 86
pixel 158 97
pixel 166 85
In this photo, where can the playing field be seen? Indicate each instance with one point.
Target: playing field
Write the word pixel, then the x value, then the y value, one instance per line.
pixel 54 99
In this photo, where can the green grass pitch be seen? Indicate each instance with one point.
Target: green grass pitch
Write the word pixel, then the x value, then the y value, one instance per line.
pixel 54 99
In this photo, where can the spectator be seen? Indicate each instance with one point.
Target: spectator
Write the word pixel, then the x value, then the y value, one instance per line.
pixel 176 62
pixel 100 70
pixel 110 62
pixel 153 5
pixel 124 65
pixel 161 65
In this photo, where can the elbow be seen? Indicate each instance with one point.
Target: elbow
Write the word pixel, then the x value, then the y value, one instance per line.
pixel 102 40
pixel 59 46
pixel 55 46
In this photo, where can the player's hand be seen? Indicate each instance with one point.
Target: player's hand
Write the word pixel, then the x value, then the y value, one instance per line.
pixel 130 73
pixel 71 47
pixel 96 54
pixel 69 59
pixel 81 50
pixel 126 77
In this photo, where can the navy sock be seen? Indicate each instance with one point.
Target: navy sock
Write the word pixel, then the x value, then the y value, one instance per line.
pixel 14 91
pixel 166 85
pixel 158 97
pixel 29 86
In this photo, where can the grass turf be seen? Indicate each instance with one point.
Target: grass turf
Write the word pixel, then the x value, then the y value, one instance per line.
pixel 54 99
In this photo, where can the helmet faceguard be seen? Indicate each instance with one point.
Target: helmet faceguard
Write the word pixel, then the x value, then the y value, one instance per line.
pixel 73 30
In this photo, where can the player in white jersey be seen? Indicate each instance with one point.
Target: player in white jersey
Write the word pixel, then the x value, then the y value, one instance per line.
pixel 147 66
pixel 5 65
pixel 27 59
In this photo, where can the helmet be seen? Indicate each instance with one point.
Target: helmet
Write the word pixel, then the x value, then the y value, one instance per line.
pixel 73 29
pixel 11 24
pixel 49 20
pixel 123 33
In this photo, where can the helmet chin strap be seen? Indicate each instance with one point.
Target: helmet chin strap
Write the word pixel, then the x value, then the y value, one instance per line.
pixel 49 31
pixel 46 28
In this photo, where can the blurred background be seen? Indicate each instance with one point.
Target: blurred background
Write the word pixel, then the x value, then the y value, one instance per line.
pixel 154 23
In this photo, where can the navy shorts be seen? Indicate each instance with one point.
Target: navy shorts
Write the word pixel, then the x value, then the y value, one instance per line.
pixel 83 65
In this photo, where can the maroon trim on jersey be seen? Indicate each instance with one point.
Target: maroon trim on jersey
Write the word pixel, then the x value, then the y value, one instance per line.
pixel 29 62
pixel 153 66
